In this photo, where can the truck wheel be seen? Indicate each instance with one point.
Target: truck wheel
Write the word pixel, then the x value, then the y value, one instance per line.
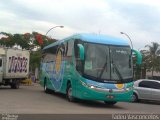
pixel 69 93
pixel 110 102
pixel 15 84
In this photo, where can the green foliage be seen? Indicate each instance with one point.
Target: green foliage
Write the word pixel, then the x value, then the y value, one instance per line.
pixel 35 57
pixel 153 59
pixel 28 41
pixel 19 40
pixel 150 61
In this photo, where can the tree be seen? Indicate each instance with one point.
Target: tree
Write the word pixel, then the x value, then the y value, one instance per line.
pixel 28 41
pixel 152 57
pixel 35 57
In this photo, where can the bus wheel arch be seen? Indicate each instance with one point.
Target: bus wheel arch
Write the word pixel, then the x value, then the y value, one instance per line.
pixel 68 83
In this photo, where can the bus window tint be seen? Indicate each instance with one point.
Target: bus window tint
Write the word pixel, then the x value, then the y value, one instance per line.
pixel 68 52
pixel 120 62
pixel 50 54
pixel 78 62
pixel 96 61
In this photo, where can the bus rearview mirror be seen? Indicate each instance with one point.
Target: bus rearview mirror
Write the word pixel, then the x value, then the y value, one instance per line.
pixel 81 51
pixel 139 56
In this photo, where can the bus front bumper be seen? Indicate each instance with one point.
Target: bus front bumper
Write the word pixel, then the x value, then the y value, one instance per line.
pixel 92 93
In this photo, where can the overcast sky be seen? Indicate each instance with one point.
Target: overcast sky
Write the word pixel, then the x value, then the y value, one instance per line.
pixel 140 19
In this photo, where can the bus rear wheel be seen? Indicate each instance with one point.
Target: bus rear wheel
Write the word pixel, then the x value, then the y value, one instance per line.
pixel 46 90
pixel 110 102
pixel 69 93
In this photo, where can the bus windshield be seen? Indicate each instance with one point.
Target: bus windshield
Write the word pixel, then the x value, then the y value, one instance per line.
pixel 120 62
pixel 106 63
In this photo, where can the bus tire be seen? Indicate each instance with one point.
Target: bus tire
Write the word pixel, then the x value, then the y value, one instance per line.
pixel 110 102
pixel 46 90
pixel 69 93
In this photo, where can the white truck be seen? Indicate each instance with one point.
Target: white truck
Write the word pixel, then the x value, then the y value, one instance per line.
pixel 14 66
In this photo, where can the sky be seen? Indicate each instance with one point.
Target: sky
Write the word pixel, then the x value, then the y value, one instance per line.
pixel 139 19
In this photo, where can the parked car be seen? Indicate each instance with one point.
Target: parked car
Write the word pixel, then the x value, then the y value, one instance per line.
pixel 146 89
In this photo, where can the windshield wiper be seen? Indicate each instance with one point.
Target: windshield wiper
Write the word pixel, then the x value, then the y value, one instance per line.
pixel 117 71
pixel 103 70
pixel 105 66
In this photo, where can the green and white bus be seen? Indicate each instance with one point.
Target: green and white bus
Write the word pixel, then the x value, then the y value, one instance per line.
pixel 89 67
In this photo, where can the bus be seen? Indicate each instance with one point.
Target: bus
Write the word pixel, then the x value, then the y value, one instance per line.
pixel 89 67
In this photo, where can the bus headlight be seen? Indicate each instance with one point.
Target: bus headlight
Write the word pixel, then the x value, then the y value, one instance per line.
pixel 92 87
pixel 129 88
pixel 87 85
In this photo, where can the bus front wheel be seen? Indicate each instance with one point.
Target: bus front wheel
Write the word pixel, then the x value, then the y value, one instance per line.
pixel 69 93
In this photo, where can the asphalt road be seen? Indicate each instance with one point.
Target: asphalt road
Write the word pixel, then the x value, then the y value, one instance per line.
pixel 32 100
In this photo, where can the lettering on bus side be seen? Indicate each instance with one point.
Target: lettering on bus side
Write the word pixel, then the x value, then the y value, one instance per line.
pixel 17 64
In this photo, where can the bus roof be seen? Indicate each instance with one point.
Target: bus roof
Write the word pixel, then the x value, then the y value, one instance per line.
pixel 93 38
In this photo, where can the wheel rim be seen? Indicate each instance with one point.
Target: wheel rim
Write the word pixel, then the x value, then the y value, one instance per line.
pixel 45 87
pixel 133 98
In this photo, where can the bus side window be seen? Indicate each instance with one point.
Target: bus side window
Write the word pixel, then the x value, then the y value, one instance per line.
pixel 50 54
pixel 76 49
pixel 69 46
pixel 78 62
pixel 66 49
pixel 42 57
